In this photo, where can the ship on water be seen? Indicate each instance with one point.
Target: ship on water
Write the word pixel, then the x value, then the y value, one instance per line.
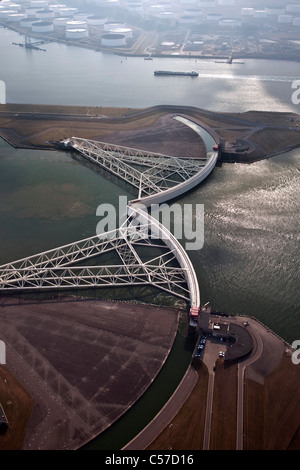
pixel 167 72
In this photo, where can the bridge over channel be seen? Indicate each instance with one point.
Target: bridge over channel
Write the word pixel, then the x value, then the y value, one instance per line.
pixel 149 253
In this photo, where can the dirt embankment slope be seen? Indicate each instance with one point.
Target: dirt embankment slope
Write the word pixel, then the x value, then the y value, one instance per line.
pixel 248 136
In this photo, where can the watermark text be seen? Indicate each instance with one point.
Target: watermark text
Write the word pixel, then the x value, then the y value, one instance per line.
pixel 296 354
pixel 2 352
pixel 185 222
pixel 296 93
pixel 2 92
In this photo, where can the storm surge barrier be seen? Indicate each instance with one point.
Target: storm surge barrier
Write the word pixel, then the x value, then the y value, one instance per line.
pixel 149 253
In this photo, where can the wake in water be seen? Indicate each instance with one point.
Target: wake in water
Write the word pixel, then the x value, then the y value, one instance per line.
pixel 260 78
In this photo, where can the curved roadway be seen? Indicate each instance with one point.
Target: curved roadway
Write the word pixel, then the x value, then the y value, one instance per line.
pixel 135 210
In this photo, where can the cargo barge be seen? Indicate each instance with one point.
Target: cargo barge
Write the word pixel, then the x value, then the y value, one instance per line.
pixel 166 72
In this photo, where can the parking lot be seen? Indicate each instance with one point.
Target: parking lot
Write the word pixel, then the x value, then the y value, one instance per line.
pixel 209 349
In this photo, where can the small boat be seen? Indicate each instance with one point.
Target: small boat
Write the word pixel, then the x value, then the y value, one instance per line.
pixel 167 72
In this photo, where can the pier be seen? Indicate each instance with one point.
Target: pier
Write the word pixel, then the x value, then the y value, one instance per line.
pixel 29 44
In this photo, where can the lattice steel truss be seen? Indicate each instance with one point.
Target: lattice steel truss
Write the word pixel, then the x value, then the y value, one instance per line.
pixel 158 175
pixel 54 269
pixel 136 242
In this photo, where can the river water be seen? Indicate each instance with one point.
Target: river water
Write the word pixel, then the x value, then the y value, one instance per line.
pixel 249 262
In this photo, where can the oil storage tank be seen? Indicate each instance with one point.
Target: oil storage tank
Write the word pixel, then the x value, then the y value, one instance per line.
pixel 110 25
pixel 247 11
pixel 4 14
pixel 194 11
pixel 167 15
pixel 27 22
pixel 81 15
pixel 68 11
pixel 42 27
pixel 45 14
pixel 275 11
pixel 260 14
pixel 56 7
pixel 127 32
pixel 285 19
pixel 207 3
pixel 77 33
pixel 293 8
pixel 213 17
pixel 39 4
pixel 60 21
pixel 16 17
pixel 113 40
pixel 32 11
pixel 14 6
pixel 230 22
pixel 95 20
pixel 76 24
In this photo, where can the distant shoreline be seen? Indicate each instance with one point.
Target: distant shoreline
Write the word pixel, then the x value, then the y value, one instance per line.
pixel 129 53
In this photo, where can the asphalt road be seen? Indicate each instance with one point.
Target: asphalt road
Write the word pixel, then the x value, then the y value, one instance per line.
pixel 167 413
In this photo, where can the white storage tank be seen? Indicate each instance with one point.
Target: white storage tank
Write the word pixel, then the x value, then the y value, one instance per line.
pixel 285 19
pixel 5 13
pixel 275 11
pixel 27 22
pixel 77 33
pixel 68 11
pixel 213 17
pixel 110 25
pixel 56 7
pixel 96 20
pixel 76 24
pixel 45 14
pixel 188 19
pixel 39 4
pixel 247 11
pixel 60 21
pixel 31 11
pixel 260 14
pixel 207 3
pixel 194 11
pixel 230 22
pixel 113 3
pixel 134 6
pixel 188 2
pixel 296 22
pixel 156 9
pixel 293 8
pixel 113 40
pixel 167 5
pixel 42 27
pixel 127 32
pixel 167 15
pixel 15 17
pixel 14 6
pixel 81 15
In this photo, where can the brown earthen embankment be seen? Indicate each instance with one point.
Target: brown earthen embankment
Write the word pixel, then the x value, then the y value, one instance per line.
pixel 83 362
pixel 248 137
pixel 270 400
